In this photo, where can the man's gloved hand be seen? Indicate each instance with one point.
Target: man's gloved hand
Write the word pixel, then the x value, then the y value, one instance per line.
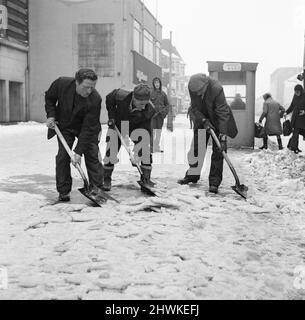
pixel 207 125
pixel 76 160
pixel 111 123
pixel 51 123
pixel 223 142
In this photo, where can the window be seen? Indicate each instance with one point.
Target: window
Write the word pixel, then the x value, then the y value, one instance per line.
pixel 96 48
pixel 235 96
pixel 137 36
pixel 148 46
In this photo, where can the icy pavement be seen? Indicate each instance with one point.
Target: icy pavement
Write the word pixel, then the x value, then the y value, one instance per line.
pixel 187 244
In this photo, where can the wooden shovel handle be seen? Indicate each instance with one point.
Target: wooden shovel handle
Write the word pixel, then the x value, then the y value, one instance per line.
pixel 213 134
pixel 70 153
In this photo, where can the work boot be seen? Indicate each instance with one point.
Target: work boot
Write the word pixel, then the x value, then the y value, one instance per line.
pixel 64 197
pixel 145 178
pixel 188 179
pixel 213 189
pixel 279 141
pixel 107 178
pixel 265 145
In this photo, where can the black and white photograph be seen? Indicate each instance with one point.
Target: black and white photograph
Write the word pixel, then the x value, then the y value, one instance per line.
pixel 152 150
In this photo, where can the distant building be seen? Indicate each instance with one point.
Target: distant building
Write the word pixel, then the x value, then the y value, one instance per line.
pixel 119 39
pixel 289 85
pixel 13 60
pixel 278 78
pixel 179 95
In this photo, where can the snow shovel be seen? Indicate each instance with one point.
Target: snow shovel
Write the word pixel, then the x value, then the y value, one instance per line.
pixel 146 188
pixel 241 189
pixel 99 198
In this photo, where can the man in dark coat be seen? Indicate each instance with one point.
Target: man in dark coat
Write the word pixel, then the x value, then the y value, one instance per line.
pixel 131 113
pixel 237 103
pixel 209 110
pixel 160 101
pixel 297 108
pixel 75 105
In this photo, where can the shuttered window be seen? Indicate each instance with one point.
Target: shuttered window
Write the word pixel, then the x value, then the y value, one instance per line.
pixel 96 48
pixel 18 27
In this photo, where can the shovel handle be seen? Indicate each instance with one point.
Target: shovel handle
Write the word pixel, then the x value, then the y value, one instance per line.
pixel 213 134
pixel 70 153
pixel 131 157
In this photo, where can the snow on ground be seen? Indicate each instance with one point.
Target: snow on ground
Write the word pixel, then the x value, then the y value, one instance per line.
pixel 186 244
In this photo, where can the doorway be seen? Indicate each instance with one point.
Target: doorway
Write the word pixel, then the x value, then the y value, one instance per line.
pixel 16 101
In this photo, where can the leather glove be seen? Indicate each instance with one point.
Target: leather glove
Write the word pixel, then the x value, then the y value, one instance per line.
pixel 111 123
pixel 76 160
pixel 51 123
pixel 207 125
pixel 223 142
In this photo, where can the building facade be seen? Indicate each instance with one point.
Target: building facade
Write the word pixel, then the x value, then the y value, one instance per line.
pixel 119 39
pixel 278 79
pixel 179 95
pixel 13 60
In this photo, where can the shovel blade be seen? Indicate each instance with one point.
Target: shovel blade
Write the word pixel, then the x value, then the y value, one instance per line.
pixel 241 190
pixel 147 189
pixel 97 199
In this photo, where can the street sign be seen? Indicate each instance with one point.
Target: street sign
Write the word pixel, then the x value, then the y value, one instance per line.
pixel 3 17
pixel 232 66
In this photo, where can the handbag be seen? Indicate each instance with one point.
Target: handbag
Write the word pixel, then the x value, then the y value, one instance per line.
pixel 287 128
pixel 259 131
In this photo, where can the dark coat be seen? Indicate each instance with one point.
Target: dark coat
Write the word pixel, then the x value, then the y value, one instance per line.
pixel 161 104
pixel 273 112
pixel 297 105
pixel 214 107
pixel 84 118
pixel 238 104
pixel 119 107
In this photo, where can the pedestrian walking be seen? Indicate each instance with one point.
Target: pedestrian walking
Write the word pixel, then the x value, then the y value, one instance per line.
pixel 273 112
pixel 209 110
pixel 75 105
pixel 297 108
pixel 161 104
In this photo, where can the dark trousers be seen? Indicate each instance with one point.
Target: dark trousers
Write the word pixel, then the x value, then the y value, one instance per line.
pixel 63 169
pixel 279 141
pixel 140 135
pixel 294 141
pixel 196 158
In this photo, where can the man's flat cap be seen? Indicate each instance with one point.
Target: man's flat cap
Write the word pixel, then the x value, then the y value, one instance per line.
pixel 142 92
pixel 197 82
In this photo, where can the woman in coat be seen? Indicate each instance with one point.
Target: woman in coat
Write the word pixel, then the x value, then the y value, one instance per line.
pixel 297 108
pixel 273 112
pixel 160 101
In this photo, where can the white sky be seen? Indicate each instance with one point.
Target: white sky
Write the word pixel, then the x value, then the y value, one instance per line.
pixel 270 32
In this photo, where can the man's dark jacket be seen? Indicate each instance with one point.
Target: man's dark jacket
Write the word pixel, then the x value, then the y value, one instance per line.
pixel 118 104
pixel 215 108
pixel 83 118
